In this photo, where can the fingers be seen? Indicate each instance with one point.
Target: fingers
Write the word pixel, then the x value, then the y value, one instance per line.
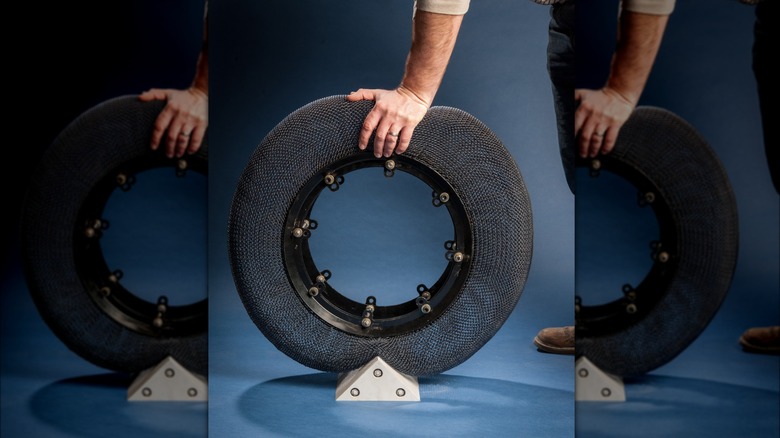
pixel 182 122
pixel 597 121
pixel 609 141
pixel 386 141
pixel 196 139
pixel 182 141
pixel 160 126
pixel 369 124
pixel 596 142
pixel 404 138
pixel 361 94
pixel 391 121
pixel 154 94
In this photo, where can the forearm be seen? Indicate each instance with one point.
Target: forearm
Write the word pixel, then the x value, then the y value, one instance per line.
pixel 201 79
pixel 433 40
pixel 639 38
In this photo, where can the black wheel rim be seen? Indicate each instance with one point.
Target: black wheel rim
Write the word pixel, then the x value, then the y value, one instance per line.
pixel 158 319
pixel 637 301
pixel 370 318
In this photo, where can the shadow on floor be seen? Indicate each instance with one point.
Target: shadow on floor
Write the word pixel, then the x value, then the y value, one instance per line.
pixel 450 406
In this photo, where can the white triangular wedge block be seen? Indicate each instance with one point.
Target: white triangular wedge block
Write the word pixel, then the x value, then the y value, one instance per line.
pixel 593 384
pixel 377 381
pixel 168 381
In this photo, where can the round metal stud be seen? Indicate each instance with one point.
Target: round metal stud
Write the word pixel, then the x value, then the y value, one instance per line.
pixel 297 232
pixel 378 372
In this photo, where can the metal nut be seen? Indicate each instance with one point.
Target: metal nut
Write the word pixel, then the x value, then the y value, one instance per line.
pixel 663 256
pixel 329 179
pixel 366 322
pixel 297 232
pixel 390 164
pixel 457 257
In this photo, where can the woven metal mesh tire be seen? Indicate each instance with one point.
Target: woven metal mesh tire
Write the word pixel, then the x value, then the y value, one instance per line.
pixel 100 139
pixel 451 142
pixel 670 153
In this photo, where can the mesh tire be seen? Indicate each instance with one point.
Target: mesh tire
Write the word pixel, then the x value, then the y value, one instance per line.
pixel 662 148
pixel 101 139
pixel 449 141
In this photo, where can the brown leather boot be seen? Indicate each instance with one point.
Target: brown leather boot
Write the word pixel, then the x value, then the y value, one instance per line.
pixel 557 340
pixel 761 340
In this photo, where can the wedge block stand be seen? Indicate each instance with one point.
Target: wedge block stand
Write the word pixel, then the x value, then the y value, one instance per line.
pixel 377 381
pixel 593 384
pixel 168 381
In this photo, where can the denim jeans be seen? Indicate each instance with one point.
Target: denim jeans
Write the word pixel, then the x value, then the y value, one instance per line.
pixel 562 71
pixel 767 75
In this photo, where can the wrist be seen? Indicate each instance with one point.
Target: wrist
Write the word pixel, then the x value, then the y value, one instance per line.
pixel 627 98
pixel 199 92
pixel 415 96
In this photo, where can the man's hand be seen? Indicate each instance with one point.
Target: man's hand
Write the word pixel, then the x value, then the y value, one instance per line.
pixel 183 121
pixel 395 115
pixel 397 112
pixel 599 117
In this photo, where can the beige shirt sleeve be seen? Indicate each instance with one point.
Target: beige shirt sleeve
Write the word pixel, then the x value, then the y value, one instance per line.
pixel 448 7
pixel 652 7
